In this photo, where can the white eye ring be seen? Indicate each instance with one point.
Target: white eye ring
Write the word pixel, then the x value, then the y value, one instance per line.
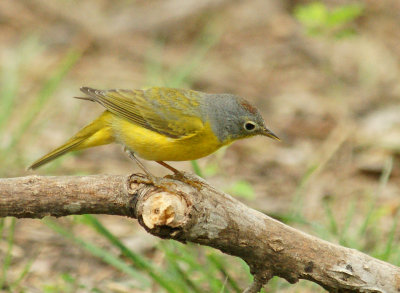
pixel 249 126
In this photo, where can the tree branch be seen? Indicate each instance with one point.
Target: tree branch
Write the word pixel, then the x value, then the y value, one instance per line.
pixel 196 212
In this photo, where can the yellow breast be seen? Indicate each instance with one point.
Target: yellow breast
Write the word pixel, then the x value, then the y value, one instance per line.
pixel 153 146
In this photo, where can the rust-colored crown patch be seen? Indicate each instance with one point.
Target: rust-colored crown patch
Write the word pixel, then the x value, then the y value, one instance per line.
pixel 248 107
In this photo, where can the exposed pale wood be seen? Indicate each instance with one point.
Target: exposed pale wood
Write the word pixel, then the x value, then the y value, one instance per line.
pixel 198 213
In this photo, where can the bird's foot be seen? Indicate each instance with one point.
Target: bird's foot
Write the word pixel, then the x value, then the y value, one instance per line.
pixel 154 180
pixel 188 178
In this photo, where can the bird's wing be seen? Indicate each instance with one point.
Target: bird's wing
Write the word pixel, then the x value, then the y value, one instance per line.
pixel 170 112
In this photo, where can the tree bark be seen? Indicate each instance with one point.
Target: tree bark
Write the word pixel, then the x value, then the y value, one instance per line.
pixel 191 210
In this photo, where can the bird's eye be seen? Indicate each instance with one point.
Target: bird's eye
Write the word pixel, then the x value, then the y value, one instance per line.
pixel 249 126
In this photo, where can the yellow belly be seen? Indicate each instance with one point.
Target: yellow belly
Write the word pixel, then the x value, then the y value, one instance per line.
pixel 153 146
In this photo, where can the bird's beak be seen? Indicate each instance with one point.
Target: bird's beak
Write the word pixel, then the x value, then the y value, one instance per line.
pixel 270 134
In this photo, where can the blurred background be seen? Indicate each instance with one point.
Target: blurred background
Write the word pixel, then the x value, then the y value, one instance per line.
pixel 325 76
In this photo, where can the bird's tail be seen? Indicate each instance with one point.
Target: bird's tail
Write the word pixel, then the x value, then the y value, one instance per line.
pixel 97 133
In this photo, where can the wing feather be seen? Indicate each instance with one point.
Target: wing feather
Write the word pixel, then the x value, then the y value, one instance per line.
pixel 172 112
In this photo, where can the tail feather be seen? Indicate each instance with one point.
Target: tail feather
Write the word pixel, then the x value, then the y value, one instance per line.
pixel 86 99
pixel 91 94
pixel 67 147
pixel 96 133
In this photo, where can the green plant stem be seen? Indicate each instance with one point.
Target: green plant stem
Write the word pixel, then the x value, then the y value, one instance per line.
pixel 8 256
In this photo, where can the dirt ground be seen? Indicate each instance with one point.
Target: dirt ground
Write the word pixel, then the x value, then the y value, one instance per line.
pixel 334 102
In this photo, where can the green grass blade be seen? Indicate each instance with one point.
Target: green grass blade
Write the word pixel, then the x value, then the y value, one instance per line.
pixel 217 262
pixel 179 76
pixel 138 261
pixel 44 95
pixel 207 39
pixel 387 171
pixel 187 256
pixel 389 244
pixel 196 168
pixel 9 89
pixel 349 219
pixel 331 218
pixel 22 275
pixel 2 223
pixel 101 253
pixel 11 75
pixel 180 277
pixel 8 256
pixel 208 271
pixel 296 206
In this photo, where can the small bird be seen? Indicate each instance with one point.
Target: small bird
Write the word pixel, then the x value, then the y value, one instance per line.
pixel 165 124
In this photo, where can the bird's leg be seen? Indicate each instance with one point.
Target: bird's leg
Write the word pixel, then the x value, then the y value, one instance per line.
pixel 187 178
pixel 156 181
pixel 132 156
pixel 169 167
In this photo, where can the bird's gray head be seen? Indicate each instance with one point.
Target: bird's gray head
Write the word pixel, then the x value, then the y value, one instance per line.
pixel 232 117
